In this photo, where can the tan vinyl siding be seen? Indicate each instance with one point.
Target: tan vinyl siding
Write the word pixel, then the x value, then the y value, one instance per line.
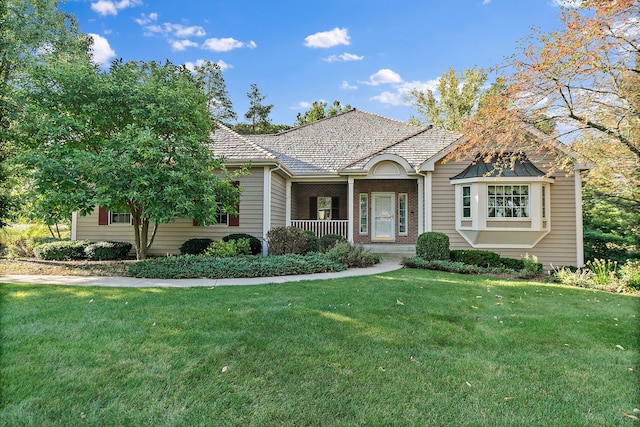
pixel 278 200
pixel 172 235
pixel 557 248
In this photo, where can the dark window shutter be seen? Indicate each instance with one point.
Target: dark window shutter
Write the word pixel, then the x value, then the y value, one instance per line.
pixel 103 216
pixel 313 208
pixel 335 207
pixel 234 220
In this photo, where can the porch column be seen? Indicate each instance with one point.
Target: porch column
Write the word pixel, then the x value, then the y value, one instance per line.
pixel 287 204
pixel 266 206
pixel 421 207
pixel 428 188
pixel 350 211
pixel 577 176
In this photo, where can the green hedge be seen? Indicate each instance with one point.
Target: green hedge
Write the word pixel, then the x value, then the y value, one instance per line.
pixel 196 266
pixel 328 241
pixel 62 250
pixel 195 246
pixel 107 250
pixel 352 255
pixel 475 257
pixel 254 243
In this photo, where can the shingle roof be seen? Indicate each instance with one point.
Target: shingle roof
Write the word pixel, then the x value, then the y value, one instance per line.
pixel 232 146
pixel 341 143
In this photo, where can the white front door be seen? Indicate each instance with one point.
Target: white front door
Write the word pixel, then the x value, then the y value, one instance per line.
pixel 383 209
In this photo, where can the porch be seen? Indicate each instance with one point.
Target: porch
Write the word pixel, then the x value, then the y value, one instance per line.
pixel 322 227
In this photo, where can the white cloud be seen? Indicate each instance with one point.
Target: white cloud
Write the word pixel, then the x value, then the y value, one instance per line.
pixel 180 45
pixel 346 57
pixel 101 51
pixel 146 19
pixel 401 94
pixel 346 86
pixel 325 39
pixel 302 105
pixel 383 76
pixel 170 29
pixel 226 44
pixel 486 1
pixel 109 7
pixel 191 65
pixel 573 4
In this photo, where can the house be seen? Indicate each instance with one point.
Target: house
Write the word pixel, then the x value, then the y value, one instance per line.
pixel 381 183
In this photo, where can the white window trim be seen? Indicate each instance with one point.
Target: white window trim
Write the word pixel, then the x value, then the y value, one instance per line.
pixel 119 224
pixel 404 196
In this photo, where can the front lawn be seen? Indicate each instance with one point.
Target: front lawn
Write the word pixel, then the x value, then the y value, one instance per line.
pixel 410 347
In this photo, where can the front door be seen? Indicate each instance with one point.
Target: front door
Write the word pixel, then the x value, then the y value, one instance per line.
pixel 383 209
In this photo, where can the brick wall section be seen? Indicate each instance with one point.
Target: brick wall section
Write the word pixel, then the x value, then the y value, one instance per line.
pixel 409 186
pixel 303 192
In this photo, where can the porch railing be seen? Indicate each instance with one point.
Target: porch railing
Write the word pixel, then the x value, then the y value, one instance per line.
pixel 323 227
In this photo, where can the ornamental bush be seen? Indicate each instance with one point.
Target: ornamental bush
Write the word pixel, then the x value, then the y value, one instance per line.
pixel 107 250
pixel 62 250
pixel 313 243
pixel 352 255
pixel 255 244
pixel 328 241
pixel 229 249
pixel 476 257
pixel 286 240
pixel 433 246
pixel 195 246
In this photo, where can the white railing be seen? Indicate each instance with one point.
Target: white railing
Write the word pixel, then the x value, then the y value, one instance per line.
pixel 323 227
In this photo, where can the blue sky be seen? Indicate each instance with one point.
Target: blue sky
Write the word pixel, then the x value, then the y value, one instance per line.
pixel 366 53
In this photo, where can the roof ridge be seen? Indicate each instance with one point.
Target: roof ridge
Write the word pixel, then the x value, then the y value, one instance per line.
pixel 282 132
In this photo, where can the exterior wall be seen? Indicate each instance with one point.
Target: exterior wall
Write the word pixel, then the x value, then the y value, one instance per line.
pixel 302 192
pixel 171 236
pixel 396 186
pixel 557 248
pixel 278 200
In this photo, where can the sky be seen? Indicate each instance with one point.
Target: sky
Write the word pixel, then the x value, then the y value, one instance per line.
pixel 365 53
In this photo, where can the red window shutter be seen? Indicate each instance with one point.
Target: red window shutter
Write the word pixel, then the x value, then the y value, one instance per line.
pixel 103 216
pixel 234 220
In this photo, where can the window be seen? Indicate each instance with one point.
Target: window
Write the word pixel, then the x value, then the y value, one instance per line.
pixel 364 213
pixel 402 214
pixel 508 201
pixel 544 202
pixel 324 208
pixel 466 201
pixel 119 218
pixel 221 217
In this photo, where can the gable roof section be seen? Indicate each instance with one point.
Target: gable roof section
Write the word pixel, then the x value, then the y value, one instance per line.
pixel 325 147
pixel 234 147
pixel 415 149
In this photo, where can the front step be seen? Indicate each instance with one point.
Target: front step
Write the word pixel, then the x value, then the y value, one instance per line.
pixel 388 248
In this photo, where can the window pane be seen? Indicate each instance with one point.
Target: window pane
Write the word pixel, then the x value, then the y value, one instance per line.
pixel 364 213
pixel 508 201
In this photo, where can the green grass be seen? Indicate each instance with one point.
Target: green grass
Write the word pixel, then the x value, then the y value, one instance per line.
pixel 409 347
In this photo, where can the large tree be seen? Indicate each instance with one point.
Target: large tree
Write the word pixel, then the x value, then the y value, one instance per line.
pixel 209 77
pixel 585 79
pixel 258 113
pixel 134 139
pixel 456 99
pixel 319 110
pixel 29 31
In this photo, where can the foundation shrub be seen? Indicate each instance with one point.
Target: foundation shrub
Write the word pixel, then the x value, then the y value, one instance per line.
pixel 195 246
pixel 328 241
pixel 255 244
pixel 107 250
pixel 286 240
pixel 352 255
pixel 61 250
pixel 433 246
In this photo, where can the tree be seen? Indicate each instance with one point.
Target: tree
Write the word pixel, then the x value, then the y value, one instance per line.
pixel 258 114
pixel 134 139
pixel 320 111
pixel 585 79
pixel 29 30
pixel 457 99
pixel 209 77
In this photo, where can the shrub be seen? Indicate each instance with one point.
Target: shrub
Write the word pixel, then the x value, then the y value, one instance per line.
pixel 352 255
pixel 442 265
pixel 512 263
pixel 195 246
pixel 61 250
pixel 255 244
pixel 328 241
pixel 313 243
pixel 630 274
pixel 531 267
pixel 604 271
pixel 228 249
pixel 195 266
pixel 286 240
pixel 23 246
pixel 433 246
pixel 107 250
pixel 476 257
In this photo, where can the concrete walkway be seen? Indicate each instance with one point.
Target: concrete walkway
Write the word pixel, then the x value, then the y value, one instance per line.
pixel 389 264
